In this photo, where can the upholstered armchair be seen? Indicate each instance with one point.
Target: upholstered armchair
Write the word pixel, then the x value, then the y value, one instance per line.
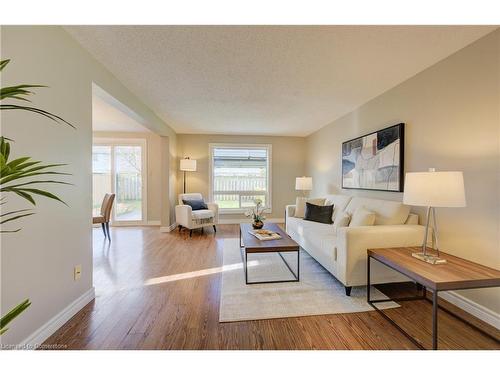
pixel 188 218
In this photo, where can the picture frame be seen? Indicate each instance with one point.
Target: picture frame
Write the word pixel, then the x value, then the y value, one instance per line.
pixel 375 161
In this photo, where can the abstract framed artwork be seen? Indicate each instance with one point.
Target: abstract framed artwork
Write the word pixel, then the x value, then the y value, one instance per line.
pixel 375 161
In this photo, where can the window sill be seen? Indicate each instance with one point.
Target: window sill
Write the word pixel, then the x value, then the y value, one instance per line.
pixel 230 211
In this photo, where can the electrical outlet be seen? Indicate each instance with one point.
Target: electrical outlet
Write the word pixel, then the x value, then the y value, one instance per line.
pixel 78 271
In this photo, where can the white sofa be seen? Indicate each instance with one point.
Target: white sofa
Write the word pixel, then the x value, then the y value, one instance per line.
pixel 342 251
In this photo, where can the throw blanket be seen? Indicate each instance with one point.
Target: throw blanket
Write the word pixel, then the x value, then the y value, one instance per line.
pixel 206 220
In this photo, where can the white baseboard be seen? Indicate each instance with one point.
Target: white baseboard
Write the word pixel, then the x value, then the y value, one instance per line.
pixel 170 228
pixel 151 223
pixel 473 308
pixel 44 332
pixel 239 221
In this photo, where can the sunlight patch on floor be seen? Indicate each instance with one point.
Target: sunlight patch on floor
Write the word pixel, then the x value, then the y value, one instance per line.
pixel 205 272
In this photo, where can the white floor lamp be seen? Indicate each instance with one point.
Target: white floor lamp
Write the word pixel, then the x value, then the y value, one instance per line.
pixel 433 189
pixel 187 165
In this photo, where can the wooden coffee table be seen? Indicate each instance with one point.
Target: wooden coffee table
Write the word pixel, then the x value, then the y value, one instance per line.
pixel 252 245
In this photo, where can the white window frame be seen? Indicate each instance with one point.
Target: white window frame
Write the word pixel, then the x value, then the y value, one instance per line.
pixel 144 172
pixel 212 146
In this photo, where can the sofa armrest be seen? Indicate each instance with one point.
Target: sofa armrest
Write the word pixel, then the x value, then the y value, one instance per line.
pixel 412 219
pixel 215 208
pixel 290 210
pixel 352 243
pixel 183 213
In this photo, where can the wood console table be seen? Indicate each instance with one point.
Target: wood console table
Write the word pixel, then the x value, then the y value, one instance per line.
pixel 456 274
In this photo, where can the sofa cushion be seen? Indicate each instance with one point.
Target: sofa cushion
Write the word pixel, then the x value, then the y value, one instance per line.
pixel 300 205
pixel 339 202
pixel 362 217
pixel 386 212
pixel 318 239
pixel 309 228
pixel 320 214
pixel 341 220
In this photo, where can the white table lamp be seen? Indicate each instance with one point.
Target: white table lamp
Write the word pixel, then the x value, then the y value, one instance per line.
pixel 187 165
pixel 303 184
pixel 433 189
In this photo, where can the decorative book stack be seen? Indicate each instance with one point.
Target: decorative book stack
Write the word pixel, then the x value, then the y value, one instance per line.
pixel 265 234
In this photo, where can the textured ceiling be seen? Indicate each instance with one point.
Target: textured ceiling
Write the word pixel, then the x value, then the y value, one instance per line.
pixel 278 80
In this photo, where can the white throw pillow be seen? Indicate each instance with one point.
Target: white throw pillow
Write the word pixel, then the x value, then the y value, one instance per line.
pixel 362 217
pixel 300 205
pixel 341 220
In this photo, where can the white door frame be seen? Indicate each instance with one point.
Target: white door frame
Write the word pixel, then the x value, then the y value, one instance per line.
pixel 142 142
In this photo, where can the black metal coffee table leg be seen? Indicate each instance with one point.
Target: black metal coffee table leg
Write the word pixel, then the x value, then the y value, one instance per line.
pixel 295 275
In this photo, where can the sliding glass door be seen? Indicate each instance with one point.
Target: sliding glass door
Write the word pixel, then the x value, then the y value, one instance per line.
pixel 118 167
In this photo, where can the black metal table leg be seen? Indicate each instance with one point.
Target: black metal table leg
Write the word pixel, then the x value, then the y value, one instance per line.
pixel 368 279
pixel 246 267
pixel 434 320
pixel 298 265
pixel 295 275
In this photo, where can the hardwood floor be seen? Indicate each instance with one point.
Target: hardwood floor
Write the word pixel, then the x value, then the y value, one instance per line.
pixel 161 291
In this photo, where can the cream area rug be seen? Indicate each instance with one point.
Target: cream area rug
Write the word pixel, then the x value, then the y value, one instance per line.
pixel 317 292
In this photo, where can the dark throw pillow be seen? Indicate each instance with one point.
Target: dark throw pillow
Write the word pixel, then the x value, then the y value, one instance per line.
pixel 320 214
pixel 196 204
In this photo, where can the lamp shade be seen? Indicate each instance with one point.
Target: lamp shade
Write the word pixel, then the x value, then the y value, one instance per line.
pixel 303 183
pixel 434 189
pixel 188 165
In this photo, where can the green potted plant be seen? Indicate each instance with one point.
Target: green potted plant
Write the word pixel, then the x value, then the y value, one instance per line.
pixel 22 176
pixel 256 214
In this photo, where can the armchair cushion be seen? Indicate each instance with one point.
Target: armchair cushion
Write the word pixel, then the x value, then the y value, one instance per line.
pixel 196 204
pixel 202 214
pixel 189 196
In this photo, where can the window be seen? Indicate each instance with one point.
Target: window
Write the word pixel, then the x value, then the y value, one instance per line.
pixel 118 167
pixel 239 174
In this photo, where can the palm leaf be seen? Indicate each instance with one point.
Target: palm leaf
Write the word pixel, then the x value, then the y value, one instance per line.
pixel 8 188
pixel 19 175
pixel 14 92
pixel 4 148
pixel 3 64
pixel 16 217
pixel 40 192
pixel 12 314
pixel 26 196
pixel 14 163
pixel 49 115
pixel 13 212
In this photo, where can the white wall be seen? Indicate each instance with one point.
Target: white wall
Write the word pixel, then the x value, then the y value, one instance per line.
pixel 452 116
pixel 37 263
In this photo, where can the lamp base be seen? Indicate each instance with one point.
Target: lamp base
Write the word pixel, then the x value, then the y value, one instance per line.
pixel 432 259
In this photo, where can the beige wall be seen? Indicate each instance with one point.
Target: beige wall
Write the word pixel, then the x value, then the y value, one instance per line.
pixel 37 262
pixel 452 116
pixel 153 155
pixel 287 163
